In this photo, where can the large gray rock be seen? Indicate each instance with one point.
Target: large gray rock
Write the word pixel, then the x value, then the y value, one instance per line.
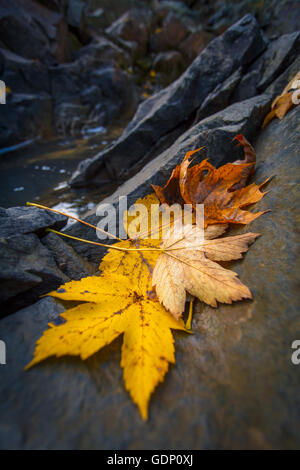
pixel 215 133
pixel 242 85
pixel 233 386
pixel 19 220
pixel 219 98
pixel 277 87
pixel 166 110
pixel 27 270
pixel 66 257
pixel 279 55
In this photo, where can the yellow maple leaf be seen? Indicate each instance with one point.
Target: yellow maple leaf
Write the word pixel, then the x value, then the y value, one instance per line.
pixel 120 301
pixel 114 305
pixel 130 262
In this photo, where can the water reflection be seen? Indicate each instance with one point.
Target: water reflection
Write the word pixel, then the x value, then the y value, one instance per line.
pixel 39 172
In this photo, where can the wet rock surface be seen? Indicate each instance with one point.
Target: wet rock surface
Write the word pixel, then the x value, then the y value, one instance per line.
pixel 279 55
pixel 215 133
pixel 233 386
pixel 31 262
pixel 45 74
pixel 68 261
pixel 160 114
pixel 28 270
pixel 20 220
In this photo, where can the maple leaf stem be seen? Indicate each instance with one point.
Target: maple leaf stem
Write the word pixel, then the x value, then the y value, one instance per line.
pixel 72 217
pixel 188 324
pixel 111 247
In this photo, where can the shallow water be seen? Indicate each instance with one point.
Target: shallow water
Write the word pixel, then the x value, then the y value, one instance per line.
pixel 40 172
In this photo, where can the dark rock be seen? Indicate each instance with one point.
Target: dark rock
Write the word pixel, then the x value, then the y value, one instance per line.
pixel 172 106
pixel 194 44
pixel 66 82
pixel 27 268
pixel 278 56
pixel 71 118
pixel 76 13
pixel 247 86
pixel 118 90
pixel 66 258
pixel 102 13
pixel 219 98
pixel 27 271
pixel 108 92
pixel 90 96
pixel 177 7
pixel 170 65
pixel 55 5
pixel 103 50
pixel 275 17
pixel 168 37
pixel 280 83
pixel 24 75
pixel 131 47
pixel 133 26
pixel 45 31
pixel 215 133
pixel 21 220
pixel 14 28
pixel 233 386
pixel 26 116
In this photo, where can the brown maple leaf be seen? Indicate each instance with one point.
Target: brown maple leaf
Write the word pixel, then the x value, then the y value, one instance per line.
pixel 222 191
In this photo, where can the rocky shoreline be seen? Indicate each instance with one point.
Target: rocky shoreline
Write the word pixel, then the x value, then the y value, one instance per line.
pixel 249 398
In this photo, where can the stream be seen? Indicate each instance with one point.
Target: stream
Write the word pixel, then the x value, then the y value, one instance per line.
pixel 39 172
